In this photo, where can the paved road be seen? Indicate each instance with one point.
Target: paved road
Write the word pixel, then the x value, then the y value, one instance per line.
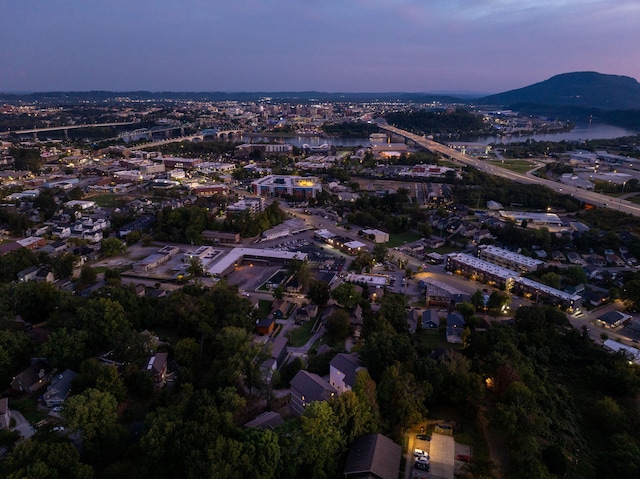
pixel 588 196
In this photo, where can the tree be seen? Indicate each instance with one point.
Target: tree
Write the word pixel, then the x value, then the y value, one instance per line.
pixel 380 252
pixel 91 412
pixel 112 247
pixel 466 309
pixel 88 275
pixel 195 267
pixel 338 325
pixel 318 292
pixel 322 440
pixel 345 295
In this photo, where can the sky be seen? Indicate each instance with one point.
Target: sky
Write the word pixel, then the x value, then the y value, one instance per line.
pixel 485 46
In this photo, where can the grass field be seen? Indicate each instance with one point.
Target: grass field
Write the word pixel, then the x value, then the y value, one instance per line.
pixel 299 335
pixel 519 166
pixel 398 239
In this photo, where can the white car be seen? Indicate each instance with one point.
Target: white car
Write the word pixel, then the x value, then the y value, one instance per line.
pixel 420 453
pixel 423 459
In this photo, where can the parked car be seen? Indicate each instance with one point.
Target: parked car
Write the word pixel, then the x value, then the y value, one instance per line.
pixel 422 465
pixel 423 459
pixel 58 429
pixel 463 458
pixel 419 453
pixel 423 437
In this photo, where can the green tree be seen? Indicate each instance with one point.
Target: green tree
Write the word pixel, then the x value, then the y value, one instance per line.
pixel 345 295
pixel 380 252
pixel 112 247
pixel 91 412
pixel 401 399
pixel 338 325
pixel 318 292
pixel 322 440
pixel 88 275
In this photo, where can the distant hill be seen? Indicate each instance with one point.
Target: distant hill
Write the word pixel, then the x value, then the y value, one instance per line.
pixel 578 89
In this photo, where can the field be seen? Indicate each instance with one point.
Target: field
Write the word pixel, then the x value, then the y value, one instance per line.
pixel 519 166
pixel 110 200
pixel 398 239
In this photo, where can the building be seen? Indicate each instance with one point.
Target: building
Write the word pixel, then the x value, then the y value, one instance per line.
pixel 232 260
pixel 59 389
pixel 613 319
pixel 297 187
pixel 509 259
pixel 430 319
pixel 266 149
pixel 220 237
pixel 250 205
pixel 157 366
pixel 306 388
pixel 376 236
pixel 551 221
pixel 33 378
pixel 266 420
pixel 343 371
pixel 455 328
pixel 5 414
pixel 373 456
pixel 265 326
pixel 184 163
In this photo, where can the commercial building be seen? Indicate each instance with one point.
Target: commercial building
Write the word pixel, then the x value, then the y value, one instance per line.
pixel 283 185
pixel 376 236
pixel 250 205
pixel 236 256
pixel 550 221
pixel 220 237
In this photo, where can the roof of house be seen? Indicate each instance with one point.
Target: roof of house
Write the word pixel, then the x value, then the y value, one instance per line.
pixel 312 386
pixel 455 320
pixel 374 454
pixel 32 375
pixel 349 365
pixel 157 362
pixel 431 315
pixel 60 386
pixel 269 419
pixel 278 345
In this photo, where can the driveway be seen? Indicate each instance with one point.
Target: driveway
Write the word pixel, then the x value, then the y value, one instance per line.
pixel 442 451
pixel 22 425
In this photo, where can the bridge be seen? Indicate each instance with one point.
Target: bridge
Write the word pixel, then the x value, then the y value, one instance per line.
pixel 587 196
pixel 221 135
pixel 65 128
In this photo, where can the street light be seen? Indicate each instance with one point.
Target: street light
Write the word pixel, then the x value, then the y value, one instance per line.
pixel 620 198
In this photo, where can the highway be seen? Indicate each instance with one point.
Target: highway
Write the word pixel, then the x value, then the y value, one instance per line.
pixel 587 196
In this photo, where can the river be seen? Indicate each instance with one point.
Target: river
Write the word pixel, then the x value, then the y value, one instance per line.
pixel 594 131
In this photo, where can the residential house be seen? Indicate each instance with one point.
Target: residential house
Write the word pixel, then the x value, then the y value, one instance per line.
pixel 455 327
pixel 343 370
pixel 5 414
pixel 44 275
pixel 33 378
pixel 278 353
pixel 28 274
pixel 430 319
pixel 307 312
pixel 59 389
pixel 414 318
pixel 575 258
pixel 373 456
pixel 355 316
pixel 266 420
pixel 306 388
pixel 265 326
pixel 157 366
pixel 279 308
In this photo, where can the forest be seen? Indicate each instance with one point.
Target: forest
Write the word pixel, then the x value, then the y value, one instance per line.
pixel 439 122
pixel 561 404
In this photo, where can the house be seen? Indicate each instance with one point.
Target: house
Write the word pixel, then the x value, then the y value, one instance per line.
pixel 575 258
pixel 596 298
pixel 307 312
pixel 265 326
pixel 455 327
pixel 59 389
pixel 306 388
pixel 266 420
pixel 157 366
pixel 5 414
pixel 28 274
pixel 343 370
pixel 33 378
pixel 373 456
pixel 430 319
pixel 44 275
pixel 613 319
pixel 279 351
pixel 279 308
pixel 355 316
pixel 414 318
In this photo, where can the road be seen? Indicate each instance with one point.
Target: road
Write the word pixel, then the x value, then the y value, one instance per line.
pixel 587 196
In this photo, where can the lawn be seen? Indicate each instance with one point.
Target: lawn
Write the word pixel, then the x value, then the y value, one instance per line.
pixel 299 335
pixel 264 307
pixel 398 239
pixel 519 166
pixel 434 339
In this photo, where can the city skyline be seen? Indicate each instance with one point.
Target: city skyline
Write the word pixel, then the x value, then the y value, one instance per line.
pixel 484 46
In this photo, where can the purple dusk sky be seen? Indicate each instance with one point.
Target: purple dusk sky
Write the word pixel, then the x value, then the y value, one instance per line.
pixel 324 45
